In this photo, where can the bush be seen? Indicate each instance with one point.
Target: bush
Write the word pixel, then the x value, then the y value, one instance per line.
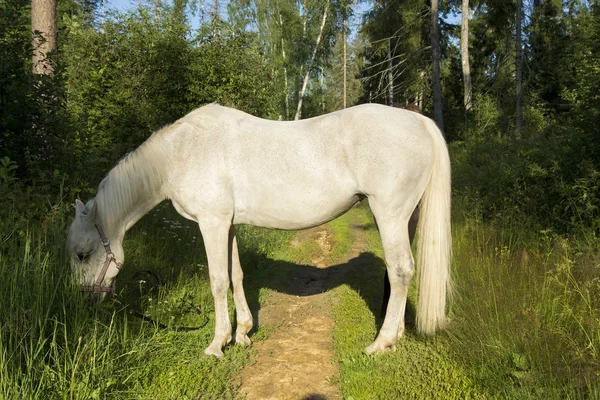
pixel 552 180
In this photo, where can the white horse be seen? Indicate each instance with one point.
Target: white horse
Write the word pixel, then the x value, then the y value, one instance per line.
pixel 221 167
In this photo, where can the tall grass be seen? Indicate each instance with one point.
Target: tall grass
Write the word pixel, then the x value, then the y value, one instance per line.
pixel 527 316
pixel 52 341
pixel 525 319
pixel 53 344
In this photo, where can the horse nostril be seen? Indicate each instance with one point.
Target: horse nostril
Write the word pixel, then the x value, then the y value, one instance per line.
pixel 83 256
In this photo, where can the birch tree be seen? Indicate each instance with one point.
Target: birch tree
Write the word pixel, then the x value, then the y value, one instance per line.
pixel 464 56
pixel 310 63
pixel 396 60
pixel 390 74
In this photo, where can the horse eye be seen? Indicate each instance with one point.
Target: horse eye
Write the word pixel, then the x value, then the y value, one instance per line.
pixel 83 256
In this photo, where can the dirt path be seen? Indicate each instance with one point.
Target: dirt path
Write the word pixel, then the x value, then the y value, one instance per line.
pixel 296 361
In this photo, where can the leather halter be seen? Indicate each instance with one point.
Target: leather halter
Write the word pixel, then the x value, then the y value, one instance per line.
pixel 110 258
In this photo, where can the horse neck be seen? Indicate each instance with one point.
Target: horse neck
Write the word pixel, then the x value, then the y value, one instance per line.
pixel 132 189
pixel 116 221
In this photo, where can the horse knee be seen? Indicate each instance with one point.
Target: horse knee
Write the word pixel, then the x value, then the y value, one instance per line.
pixel 401 275
pixel 219 287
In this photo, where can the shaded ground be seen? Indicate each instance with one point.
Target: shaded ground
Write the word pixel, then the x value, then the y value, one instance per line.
pixel 296 361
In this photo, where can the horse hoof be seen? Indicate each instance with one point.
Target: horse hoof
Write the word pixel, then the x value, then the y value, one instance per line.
pixel 243 340
pixel 378 348
pixel 212 351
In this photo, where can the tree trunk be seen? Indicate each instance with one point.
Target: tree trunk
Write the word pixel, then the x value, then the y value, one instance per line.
pixel 285 74
pixel 519 72
pixel 464 55
pixel 390 74
pixel 436 84
pixel 345 56
pixel 43 25
pixel 322 85
pixel 420 95
pixel 215 17
pixel 310 63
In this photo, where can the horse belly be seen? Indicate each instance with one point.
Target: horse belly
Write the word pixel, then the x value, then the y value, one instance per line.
pixel 294 209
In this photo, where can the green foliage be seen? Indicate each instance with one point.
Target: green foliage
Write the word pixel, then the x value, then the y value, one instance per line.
pixel 31 119
pixel 231 70
pixel 139 73
pixel 553 181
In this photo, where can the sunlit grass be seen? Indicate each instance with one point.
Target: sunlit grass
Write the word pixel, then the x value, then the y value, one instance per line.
pixel 530 300
pixel 525 321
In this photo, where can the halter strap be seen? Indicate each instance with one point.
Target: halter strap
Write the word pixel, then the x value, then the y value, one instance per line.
pixel 110 257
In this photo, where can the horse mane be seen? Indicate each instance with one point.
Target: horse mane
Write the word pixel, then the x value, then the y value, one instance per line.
pixel 137 175
pixel 141 173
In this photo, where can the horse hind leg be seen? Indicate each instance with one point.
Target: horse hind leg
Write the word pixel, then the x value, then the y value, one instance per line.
pixel 243 315
pixel 412 229
pixel 400 269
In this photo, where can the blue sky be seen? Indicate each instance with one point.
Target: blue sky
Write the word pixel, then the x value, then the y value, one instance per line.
pixel 362 7
pixel 123 5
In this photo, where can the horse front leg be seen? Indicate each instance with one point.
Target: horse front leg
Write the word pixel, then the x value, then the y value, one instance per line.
pixel 242 311
pixel 216 242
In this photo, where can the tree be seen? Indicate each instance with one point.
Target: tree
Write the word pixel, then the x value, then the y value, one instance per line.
pixel 310 63
pixel 297 37
pixel 395 61
pixel 519 71
pixel 43 25
pixel 345 39
pixel 464 56
pixel 436 84
pixel 549 43
pixel 390 74
pixel 333 76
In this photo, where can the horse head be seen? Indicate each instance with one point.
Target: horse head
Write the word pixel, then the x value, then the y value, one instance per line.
pixel 95 261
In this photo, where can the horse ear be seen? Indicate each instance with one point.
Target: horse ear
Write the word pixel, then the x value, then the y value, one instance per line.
pixel 79 208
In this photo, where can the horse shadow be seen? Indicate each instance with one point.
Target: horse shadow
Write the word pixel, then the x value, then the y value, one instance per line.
pixel 364 274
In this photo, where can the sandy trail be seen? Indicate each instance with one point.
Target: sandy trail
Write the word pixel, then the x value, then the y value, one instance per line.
pixel 296 361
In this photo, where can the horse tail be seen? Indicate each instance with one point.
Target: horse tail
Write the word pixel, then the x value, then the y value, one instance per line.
pixel 434 240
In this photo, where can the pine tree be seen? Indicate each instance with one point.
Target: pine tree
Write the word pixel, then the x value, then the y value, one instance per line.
pixel 43 25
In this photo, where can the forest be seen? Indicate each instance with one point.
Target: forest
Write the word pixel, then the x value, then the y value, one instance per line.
pixel 512 84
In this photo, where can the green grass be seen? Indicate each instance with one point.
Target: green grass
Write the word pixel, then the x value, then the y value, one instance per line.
pixel 341 237
pixel 525 321
pixel 530 301
pixel 525 315
pixel 420 368
pixel 54 345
